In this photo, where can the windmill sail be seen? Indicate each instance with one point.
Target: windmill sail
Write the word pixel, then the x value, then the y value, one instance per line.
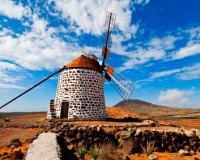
pixel 121 84
pixel 110 24
pixel 86 51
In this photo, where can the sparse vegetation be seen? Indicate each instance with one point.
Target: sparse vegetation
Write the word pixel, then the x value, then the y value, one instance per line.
pixel 149 148
pixel 94 153
pixel 81 151
pixel 105 150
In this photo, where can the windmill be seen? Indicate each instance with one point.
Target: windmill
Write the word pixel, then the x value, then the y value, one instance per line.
pixel 80 91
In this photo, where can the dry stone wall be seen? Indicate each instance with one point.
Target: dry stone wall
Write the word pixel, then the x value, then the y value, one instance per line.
pixel 83 89
pixel 164 141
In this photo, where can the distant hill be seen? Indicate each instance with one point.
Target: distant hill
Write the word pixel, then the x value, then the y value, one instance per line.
pixel 131 102
pixel 157 111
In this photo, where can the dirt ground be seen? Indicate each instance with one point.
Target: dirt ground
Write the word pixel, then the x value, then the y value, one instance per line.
pixel 22 127
pixel 26 127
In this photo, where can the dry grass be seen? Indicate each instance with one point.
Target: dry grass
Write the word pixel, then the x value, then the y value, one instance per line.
pixel 105 150
pixel 127 146
pixel 149 148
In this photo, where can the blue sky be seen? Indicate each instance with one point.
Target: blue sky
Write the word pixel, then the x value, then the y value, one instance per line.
pixel 156 44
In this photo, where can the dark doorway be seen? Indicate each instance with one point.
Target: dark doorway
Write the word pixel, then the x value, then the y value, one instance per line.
pixel 64 110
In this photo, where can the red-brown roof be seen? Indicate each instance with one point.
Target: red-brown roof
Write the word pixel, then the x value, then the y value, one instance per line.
pixel 84 62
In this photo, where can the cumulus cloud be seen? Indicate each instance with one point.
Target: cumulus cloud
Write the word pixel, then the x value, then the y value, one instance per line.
pixel 42 48
pixel 175 97
pixel 37 49
pixel 12 10
pixel 89 16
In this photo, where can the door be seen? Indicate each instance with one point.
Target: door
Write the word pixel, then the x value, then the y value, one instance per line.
pixel 64 110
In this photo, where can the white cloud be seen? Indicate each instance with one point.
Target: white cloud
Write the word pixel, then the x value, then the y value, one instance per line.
pixel 192 36
pixel 41 48
pixel 12 10
pixel 37 49
pixel 142 1
pixel 175 97
pixel 8 78
pixel 154 49
pixel 184 73
pixel 8 66
pixel 164 43
pixel 190 72
pixel 89 16
pixel 164 73
pixel 10 86
pixel 141 56
pixel 187 51
pixel 5 68
pixel 194 33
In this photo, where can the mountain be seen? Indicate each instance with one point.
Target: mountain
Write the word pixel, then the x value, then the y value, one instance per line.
pixel 130 102
pixel 157 111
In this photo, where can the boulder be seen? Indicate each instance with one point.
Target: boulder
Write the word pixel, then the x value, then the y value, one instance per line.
pixel 190 133
pixel 149 123
pixel 44 146
pixel 183 152
pixel 124 134
pixel 152 157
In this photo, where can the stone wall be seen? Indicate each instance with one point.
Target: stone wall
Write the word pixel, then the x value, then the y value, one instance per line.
pixel 164 141
pixel 83 89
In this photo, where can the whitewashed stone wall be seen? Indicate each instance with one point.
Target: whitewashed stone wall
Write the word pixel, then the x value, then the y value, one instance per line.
pixel 83 89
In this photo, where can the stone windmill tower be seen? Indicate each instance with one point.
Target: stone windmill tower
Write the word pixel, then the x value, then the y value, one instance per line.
pixel 80 91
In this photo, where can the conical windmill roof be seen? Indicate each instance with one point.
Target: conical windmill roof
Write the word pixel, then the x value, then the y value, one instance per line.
pixel 84 62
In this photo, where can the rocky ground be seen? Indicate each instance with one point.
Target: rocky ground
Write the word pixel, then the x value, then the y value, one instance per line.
pixel 20 131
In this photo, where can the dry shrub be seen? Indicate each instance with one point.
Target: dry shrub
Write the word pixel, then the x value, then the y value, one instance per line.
pixel 106 150
pixel 149 148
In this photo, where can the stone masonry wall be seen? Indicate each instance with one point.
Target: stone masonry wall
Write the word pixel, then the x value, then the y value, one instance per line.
pixel 83 89
pixel 164 140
